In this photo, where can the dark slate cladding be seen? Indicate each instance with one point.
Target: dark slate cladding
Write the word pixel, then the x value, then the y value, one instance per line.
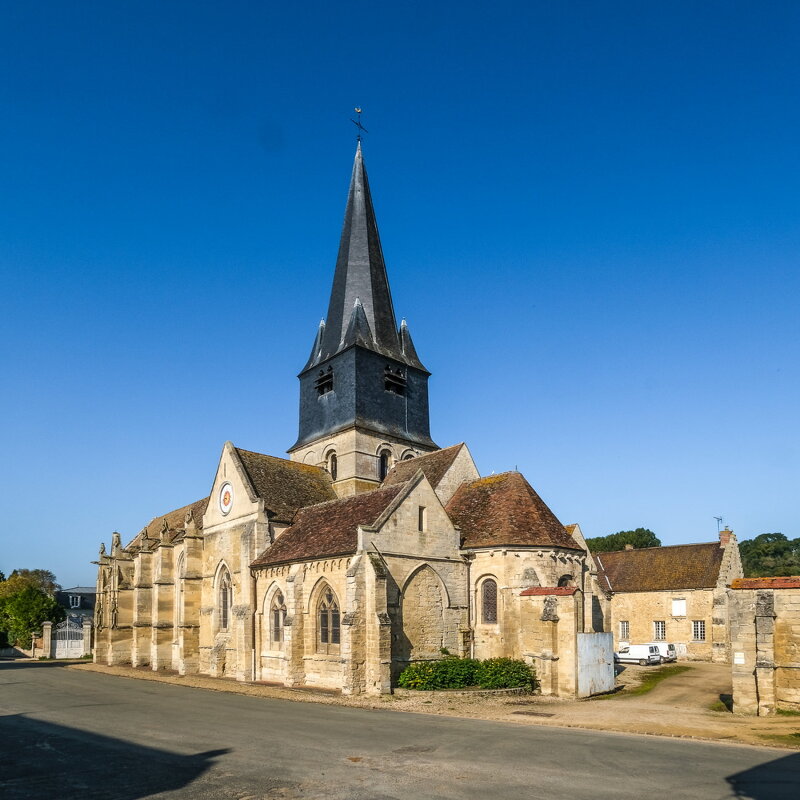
pixel 360 339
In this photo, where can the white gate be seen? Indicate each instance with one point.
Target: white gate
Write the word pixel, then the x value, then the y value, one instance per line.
pixel 67 640
pixel 595 663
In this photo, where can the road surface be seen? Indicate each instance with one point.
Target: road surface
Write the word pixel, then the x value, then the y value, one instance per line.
pixel 73 734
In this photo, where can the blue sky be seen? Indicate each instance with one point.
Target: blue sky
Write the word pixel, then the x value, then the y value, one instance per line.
pixel 589 212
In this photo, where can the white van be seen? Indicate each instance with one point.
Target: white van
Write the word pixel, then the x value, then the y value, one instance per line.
pixel 668 651
pixel 643 654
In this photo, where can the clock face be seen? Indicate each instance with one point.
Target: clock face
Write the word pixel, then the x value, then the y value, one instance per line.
pixel 226 498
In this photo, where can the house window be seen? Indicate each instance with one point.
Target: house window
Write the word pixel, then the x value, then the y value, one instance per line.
pixel 422 518
pixel 225 592
pixel 679 608
pixel 74 601
pixel 333 465
pixel 383 464
pixel 394 381
pixel 659 630
pixel 328 624
pixel 489 601
pixel 699 630
pixel 624 630
pixel 277 613
pixel 324 382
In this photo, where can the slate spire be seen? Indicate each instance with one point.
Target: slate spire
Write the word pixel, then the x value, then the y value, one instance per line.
pixel 360 276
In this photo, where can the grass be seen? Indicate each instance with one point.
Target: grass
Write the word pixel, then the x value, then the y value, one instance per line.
pixel 791 739
pixel 649 682
pixel 787 712
pixel 724 704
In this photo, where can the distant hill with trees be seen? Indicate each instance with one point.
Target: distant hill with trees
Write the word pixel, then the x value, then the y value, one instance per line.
pixel 770 554
pixel 641 537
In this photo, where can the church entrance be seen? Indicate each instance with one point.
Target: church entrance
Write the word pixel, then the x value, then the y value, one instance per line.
pixel 422 623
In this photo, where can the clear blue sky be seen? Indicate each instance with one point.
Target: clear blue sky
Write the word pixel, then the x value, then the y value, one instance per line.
pixel 589 211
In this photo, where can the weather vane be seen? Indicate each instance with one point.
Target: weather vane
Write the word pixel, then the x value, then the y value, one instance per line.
pixel 358 124
pixel 719 522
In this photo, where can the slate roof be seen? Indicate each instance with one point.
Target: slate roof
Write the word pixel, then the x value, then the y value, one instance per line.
pixel 284 485
pixel 653 569
pixel 782 582
pixel 433 465
pixel 328 529
pixel 175 523
pixel 361 309
pixel 505 510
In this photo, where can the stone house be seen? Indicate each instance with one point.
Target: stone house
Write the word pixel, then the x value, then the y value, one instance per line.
pixel 765 639
pixel 368 548
pixel 675 594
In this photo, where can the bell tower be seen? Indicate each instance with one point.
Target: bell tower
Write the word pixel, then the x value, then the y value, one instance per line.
pixel 363 391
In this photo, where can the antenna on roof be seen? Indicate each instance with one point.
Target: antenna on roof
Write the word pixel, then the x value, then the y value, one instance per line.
pixel 719 522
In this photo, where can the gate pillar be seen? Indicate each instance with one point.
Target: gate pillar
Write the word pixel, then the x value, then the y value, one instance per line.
pixel 47 639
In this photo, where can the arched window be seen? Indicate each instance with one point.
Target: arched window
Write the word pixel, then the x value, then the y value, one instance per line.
pixel 333 465
pixel 489 601
pixel 225 597
pixel 565 580
pixel 328 625
pixel 383 464
pixel 277 617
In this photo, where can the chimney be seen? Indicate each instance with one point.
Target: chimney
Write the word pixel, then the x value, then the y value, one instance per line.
pixel 725 536
pixel 629 547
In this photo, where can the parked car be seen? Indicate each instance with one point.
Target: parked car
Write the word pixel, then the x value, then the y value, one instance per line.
pixel 643 654
pixel 667 650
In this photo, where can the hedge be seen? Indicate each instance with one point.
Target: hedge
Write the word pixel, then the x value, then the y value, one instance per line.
pixel 460 673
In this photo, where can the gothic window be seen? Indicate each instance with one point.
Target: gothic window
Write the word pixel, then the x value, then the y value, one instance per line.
pixel 328 623
pixel 277 618
pixel 324 382
pixel 333 465
pixel 225 597
pixel 383 464
pixel 422 518
pixel 489 601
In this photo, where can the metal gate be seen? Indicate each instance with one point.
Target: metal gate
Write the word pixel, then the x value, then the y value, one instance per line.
pixel 595 663
pixel 67 640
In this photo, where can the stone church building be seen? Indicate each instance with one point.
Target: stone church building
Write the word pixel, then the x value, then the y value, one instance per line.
pixel 369 547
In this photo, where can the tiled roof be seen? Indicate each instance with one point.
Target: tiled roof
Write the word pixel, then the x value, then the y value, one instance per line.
pixel 783 582
pixel 538 591
pixel 175 523
pixel 653 569
pixel 433 465
pixel 284 485
pixel 328 529
pixel 505 510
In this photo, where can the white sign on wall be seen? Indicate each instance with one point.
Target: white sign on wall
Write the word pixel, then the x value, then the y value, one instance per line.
pixel 738 658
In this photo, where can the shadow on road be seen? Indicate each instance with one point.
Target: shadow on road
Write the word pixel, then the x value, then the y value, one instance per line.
pixel 775 780
pixel 9 664
pixel 41 760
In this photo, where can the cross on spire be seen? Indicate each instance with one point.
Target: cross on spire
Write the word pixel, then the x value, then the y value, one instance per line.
pixel 358 124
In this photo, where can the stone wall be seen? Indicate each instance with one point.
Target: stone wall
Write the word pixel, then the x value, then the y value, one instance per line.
pixel 642 609
pixel 765 634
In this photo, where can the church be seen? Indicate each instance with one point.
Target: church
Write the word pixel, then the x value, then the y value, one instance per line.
pixel 368 548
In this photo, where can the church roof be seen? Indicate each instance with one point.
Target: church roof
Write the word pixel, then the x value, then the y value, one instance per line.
pixel 328 529
pixel 175 522
pixel 361 310
pixel 285 486
pixel 434 466
pixel 505 510
pixel 653 569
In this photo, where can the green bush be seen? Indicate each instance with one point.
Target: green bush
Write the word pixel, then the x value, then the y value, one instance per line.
pixel 459 673
pixel 505 673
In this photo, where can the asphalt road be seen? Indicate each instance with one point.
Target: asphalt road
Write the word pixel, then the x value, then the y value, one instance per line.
pixel 72 734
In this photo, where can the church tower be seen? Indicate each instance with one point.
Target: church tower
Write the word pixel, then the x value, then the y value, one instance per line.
pixel 363 391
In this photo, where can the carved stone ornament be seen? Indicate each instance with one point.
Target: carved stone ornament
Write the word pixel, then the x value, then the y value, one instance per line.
pixel 188 519
pixel 287 621
pixel 240 612
pixel 102 548
pixel 384 618
pixel 164 531
pixel 116 543
pixel 348 618
pixel 549 612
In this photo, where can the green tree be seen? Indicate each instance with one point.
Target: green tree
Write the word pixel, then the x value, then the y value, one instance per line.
pixel 641 537
pixel 22 614
pixel 40 578
pixel 770 554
